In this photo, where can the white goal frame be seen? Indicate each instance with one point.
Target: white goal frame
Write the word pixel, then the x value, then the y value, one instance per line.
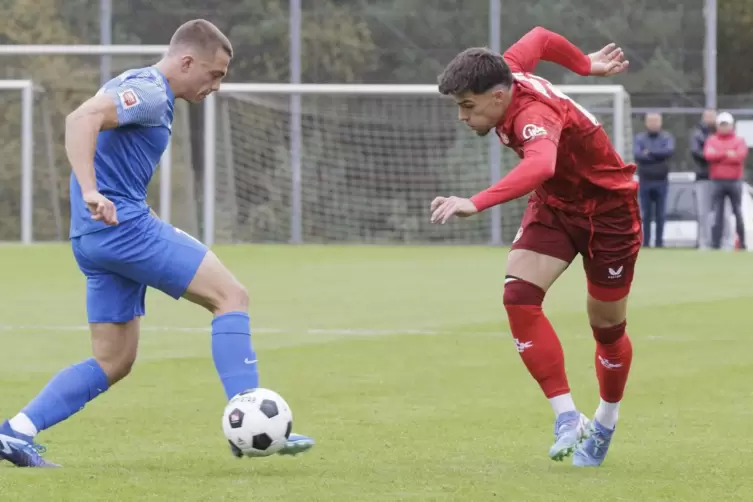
pixel 295 91
pixel 27 88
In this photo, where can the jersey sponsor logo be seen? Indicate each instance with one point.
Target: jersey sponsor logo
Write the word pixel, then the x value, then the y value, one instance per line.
pixel 531 131
pixel 128 98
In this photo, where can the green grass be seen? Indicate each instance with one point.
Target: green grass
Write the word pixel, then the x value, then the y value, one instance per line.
pixel 399 363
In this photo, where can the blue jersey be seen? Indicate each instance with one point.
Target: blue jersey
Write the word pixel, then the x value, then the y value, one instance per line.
pixel 127 156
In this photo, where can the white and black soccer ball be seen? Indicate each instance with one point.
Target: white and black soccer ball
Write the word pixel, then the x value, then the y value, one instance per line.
pixel 257 422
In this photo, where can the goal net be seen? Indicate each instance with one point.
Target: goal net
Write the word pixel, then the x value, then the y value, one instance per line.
pixel 362 163
pixel 28 193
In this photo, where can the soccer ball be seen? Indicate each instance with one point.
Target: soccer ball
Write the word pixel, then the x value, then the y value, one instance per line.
pixel 257 422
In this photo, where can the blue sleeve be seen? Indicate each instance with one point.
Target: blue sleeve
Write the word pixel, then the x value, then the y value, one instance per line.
pixel 639 147
pixel 667 148
pixel 139 102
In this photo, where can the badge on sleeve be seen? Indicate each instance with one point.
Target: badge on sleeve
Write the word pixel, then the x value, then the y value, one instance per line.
pixel 128 98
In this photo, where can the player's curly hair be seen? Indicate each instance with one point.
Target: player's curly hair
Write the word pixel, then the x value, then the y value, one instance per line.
pixel 474 70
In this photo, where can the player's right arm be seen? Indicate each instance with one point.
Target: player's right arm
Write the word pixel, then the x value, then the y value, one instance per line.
pixel 137 102
pixel 540 44
pixel 81 129
pixel 540 128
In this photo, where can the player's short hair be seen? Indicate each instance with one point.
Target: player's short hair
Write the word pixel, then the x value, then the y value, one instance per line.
pixel 202 34
pixel 474 70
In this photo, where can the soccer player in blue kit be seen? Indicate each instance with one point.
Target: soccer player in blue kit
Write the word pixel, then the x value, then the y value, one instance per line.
pixel 114 142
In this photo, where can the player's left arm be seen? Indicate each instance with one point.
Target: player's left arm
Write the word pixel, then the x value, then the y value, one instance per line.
pixel 540 128
pixel 540 44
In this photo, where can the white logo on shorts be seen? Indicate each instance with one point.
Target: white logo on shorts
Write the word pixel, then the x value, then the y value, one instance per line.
pixel 616 273
pixel 178 230
pixel 518 235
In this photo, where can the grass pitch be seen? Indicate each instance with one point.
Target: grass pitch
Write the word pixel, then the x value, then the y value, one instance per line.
pixel 398 361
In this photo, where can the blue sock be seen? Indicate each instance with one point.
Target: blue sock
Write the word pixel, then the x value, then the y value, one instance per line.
pixel 234 358
pixel 67 393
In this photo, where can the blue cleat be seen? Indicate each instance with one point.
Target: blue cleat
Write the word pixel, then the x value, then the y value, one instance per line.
pixel 569 430
pixel 21 450
pixel 592 451
pixel 297 443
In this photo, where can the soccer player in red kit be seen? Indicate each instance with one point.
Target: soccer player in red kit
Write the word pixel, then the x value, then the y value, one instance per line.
pixel 583 202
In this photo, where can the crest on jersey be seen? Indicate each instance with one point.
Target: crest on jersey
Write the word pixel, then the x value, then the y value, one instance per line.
pixel 128 98
pixel 531 131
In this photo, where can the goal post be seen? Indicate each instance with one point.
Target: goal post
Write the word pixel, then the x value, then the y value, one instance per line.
pixel 358 163
pixel 21 151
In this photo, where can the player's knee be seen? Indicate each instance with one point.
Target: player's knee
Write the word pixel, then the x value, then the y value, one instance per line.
pixel 609 334
pixel 519 292
pixel 233 298
pixel 116 366
pixel 230 296
pixel 114 347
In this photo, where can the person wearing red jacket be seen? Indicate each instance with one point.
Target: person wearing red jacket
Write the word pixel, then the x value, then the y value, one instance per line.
pixel 725 152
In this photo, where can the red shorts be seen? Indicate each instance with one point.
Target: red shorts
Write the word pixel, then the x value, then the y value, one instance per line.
pixel 609 242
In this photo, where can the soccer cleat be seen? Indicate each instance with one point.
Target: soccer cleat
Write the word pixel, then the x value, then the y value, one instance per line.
pixel 20 450
pixel 297 443
pixel 569 430
pixel 592 451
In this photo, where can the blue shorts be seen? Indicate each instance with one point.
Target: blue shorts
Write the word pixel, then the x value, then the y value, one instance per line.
pixel 121 261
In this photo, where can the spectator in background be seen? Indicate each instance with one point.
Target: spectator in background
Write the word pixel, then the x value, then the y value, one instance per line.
pixel 725 152
pixel 652 151
pixel 698 138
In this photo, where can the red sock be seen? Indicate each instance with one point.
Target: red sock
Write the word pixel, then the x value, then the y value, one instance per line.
pixel 614 353
pixel 535 338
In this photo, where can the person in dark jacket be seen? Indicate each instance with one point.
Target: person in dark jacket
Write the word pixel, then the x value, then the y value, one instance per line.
pixel 652 151
pixel 698 138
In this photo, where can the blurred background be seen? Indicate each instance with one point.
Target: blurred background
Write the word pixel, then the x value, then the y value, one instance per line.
pixel 336 167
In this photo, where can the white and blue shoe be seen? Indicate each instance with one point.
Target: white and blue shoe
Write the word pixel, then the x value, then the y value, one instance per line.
pixel 297 443
pixel 570 429
pixel 593 451
pixel 21 450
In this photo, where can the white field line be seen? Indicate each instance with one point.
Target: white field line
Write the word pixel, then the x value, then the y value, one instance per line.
pixel 307 331
pixel 338 332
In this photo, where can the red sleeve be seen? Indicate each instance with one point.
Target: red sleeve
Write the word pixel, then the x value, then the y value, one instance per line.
pixel 716 155
pixel 539 127
pixel 542 44
pixel 742 149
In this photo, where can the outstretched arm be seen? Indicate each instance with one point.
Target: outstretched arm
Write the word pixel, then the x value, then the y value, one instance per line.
pixel 542 128
pixel 540 44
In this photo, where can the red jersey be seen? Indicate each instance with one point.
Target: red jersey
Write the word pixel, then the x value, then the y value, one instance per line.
pixel 586 175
